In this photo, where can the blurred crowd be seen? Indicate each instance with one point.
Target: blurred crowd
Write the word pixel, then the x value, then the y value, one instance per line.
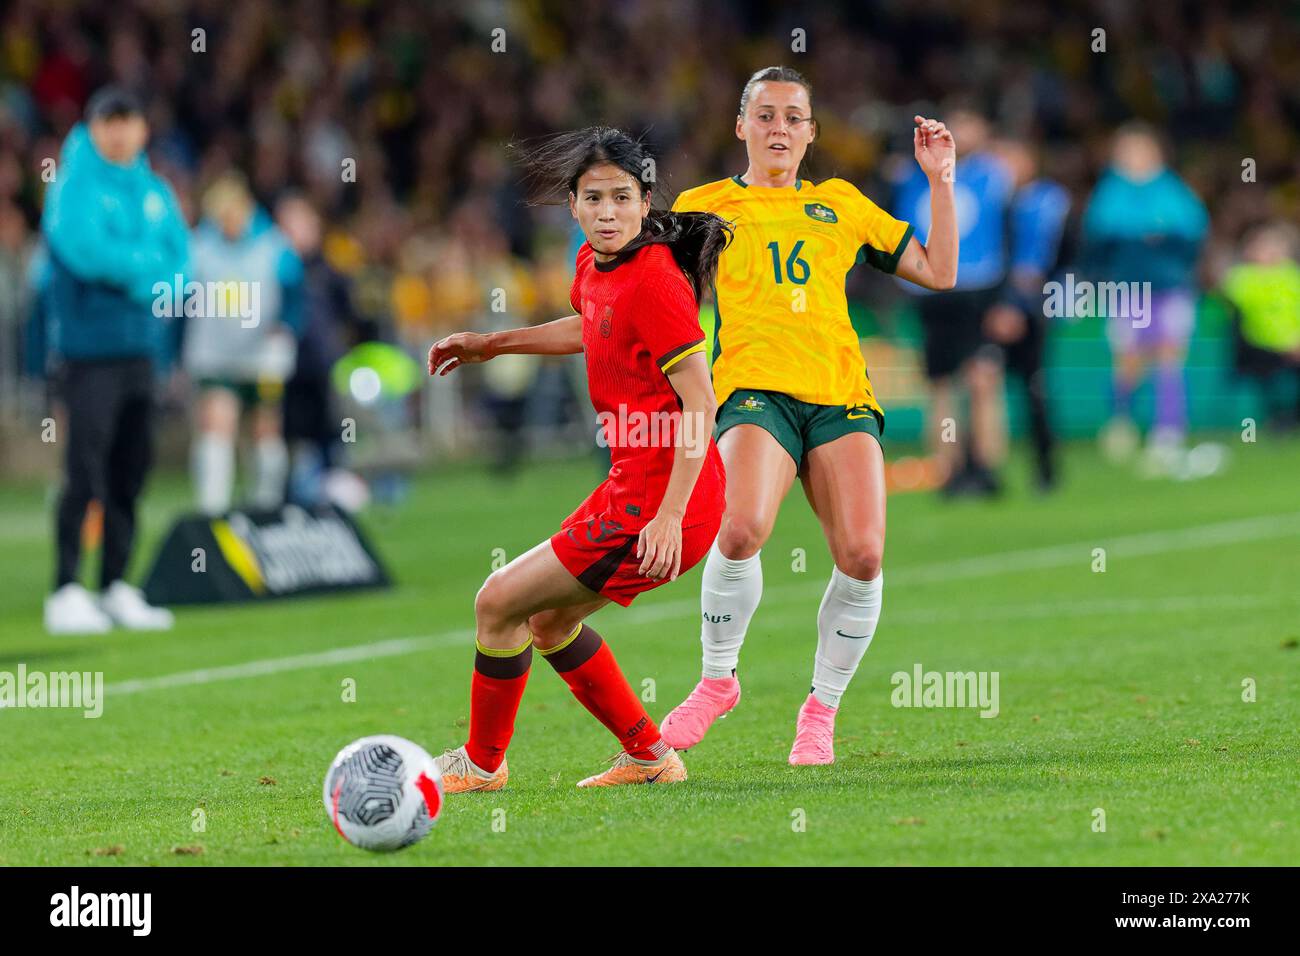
pixel 389 120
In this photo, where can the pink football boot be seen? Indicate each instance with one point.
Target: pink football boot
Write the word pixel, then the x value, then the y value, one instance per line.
pixel 712 698
pixel 814 734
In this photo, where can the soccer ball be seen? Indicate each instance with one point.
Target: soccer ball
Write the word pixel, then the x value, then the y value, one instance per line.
pixel 383 793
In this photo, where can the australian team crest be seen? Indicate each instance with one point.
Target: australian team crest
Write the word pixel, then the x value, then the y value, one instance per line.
pixel 821 212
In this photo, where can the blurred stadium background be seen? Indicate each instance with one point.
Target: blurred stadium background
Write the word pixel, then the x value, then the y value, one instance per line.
pixel 433 223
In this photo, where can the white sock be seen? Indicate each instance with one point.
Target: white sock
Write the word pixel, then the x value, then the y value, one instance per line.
pixel 729 596
pixel 212 465
pixel 270 471
pixel 849 607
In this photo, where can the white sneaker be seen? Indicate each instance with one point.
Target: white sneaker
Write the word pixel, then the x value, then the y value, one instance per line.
pixel 126 606
pixel 72 610
pixel 1205 460
pixel 1119 440
pixel 1164 455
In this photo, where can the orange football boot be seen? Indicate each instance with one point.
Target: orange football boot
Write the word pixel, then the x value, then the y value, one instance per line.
pixel 627 769
pixel 459 775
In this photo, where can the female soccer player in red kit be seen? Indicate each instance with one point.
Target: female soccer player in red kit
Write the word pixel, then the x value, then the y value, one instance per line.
pixel 639 276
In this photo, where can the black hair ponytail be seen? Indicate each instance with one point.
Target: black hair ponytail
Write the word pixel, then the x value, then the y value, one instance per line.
pixel 553 165
pixel 696 240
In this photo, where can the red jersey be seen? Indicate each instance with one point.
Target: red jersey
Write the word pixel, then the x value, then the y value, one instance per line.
pixel 639 318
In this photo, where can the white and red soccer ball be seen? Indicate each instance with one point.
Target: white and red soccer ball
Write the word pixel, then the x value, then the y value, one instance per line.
pixel 383 793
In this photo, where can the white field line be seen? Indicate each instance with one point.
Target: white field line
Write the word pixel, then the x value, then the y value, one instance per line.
pixel 1030 559
pixel 1102 607
pixel 1262 528
pixel 278 665
pixel 1124 546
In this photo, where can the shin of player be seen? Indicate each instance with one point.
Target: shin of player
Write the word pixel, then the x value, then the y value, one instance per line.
pixel 578 655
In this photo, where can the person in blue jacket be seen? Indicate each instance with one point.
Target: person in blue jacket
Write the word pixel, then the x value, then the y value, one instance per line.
pixel 956 349
pixel 114 232
pixel 1018 321
pixel 1143 228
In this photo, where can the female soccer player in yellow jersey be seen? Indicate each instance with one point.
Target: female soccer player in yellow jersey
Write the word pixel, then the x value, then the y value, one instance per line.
pixel 793 393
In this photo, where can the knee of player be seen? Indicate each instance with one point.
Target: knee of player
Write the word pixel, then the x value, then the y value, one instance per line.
pixel 266 426
pixel 549 629
pixel 217 417
pixel 862 557
pixel 983 376
pixel 491 604
pixel 741 536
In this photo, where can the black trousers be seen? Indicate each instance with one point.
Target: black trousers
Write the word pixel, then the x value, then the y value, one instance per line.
pixel 309 415
pixel 1025 358
pixel 109 450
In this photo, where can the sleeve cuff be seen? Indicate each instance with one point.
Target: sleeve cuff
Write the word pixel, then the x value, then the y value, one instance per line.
pixel 887 262
pixel 669 359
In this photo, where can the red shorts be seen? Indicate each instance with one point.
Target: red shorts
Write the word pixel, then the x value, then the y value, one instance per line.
pixel 597 545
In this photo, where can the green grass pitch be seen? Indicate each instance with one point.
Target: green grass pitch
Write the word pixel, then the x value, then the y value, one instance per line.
pixel 1119 691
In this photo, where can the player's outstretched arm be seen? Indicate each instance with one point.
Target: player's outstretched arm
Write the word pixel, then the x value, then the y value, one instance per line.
pixel 934 265
pixel 660 543
pixel 560 337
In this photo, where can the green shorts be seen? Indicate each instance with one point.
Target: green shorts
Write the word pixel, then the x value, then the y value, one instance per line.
pixel 798 426
pixel 250 394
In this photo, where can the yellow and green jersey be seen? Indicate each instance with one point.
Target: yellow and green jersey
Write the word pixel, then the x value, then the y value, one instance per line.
pixel 782 321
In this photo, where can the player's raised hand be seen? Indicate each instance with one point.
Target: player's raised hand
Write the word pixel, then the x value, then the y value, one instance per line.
pixel 461 348
pixel 660 548
pixel 933 147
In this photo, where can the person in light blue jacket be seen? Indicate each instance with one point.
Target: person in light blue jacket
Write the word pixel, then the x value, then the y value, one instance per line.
pixel 114 235
pixel 115 231
pixel 1143 228
pixel 242 320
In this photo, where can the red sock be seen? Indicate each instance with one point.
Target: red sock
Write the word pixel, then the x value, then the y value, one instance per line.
pixel 495 692
pixel 587 665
